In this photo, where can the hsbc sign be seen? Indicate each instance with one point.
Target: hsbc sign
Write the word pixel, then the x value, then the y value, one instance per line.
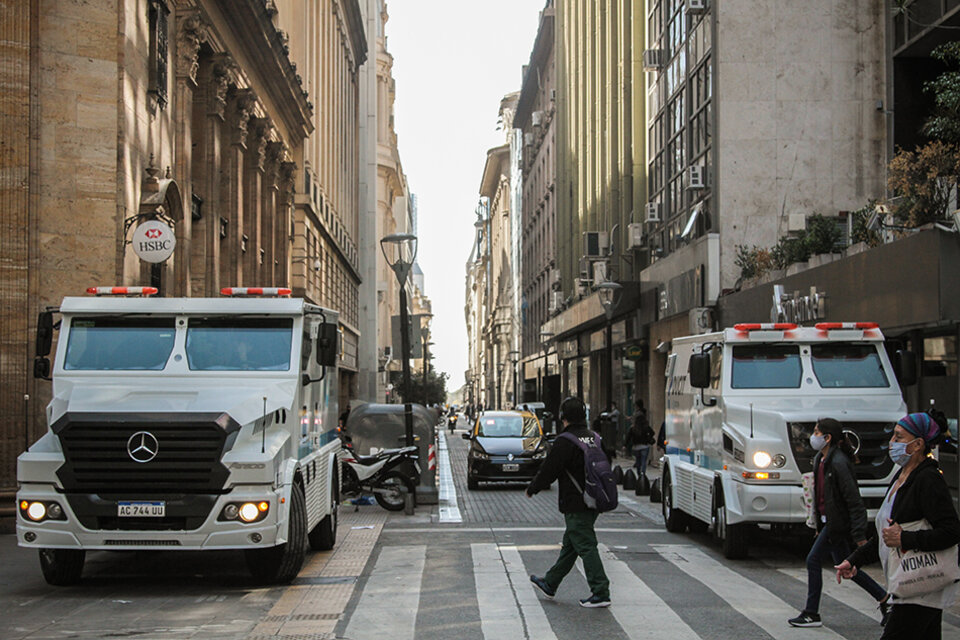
pixel 153 241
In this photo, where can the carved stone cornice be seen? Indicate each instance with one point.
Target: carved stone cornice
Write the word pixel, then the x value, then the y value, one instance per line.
pixel 241 108
pixel 274 153
pixel 191 31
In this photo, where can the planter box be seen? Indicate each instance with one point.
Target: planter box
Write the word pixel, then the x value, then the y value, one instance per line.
pixel 823 258
pixel 771 276
pixel 797 267
pixel 855 248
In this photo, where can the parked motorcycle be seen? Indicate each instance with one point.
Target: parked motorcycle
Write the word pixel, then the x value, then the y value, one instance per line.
pixel 387 474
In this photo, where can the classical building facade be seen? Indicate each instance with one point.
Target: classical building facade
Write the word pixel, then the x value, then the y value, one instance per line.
pixel 540 288
pixel 328 43
pixel 190 112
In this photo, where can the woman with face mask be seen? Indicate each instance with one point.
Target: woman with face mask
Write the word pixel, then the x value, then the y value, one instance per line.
pixel 918 492
pixel 840 515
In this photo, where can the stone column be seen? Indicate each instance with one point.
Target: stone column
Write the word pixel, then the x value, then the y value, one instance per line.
pixel 253 201
pixel 287 176
pixel 189 34
pixel 240 103
pixel 271 228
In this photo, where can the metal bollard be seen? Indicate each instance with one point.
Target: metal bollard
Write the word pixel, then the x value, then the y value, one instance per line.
pixel 408 502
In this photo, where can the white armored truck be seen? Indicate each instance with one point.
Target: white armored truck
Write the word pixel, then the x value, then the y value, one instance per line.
pixel 184 423
pixel 741 405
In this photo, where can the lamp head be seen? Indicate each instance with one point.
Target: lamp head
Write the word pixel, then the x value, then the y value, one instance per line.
pixel 400 251
pixel 609 297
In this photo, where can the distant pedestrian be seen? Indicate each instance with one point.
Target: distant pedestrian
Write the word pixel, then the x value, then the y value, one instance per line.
pixel 565 463
pixel 639 438
pixel 840 516
pixel 918 493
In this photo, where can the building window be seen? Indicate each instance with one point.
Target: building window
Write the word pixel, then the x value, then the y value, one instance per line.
pixel 158 51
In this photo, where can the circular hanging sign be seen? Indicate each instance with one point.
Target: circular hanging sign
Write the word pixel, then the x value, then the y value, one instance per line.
pixel 153 241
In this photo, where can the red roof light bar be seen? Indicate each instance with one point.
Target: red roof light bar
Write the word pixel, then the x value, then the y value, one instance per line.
pixel 122 291
pixel 830 326
pixel 255 291
pixel 766 326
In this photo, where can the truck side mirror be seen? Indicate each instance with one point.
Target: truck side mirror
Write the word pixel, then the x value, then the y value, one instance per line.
pixel 905 364
pixel 328 344
pixel 41 368
pixel 44 333
pixel 699 370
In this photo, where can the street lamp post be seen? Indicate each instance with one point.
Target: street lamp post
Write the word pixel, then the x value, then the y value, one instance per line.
pixel 400 250
pixel 424 335
pixel 514 359
pixel 546 337
pixel 499 384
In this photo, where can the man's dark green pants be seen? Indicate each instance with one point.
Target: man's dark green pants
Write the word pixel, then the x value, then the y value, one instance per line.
pixel 580 539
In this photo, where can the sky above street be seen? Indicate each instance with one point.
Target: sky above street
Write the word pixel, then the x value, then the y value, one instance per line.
pixel 453 61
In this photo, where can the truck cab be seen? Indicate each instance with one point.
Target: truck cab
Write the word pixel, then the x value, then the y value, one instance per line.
pixel 184 423
pixel 741 405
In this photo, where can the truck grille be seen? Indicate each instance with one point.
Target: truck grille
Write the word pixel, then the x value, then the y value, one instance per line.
pixel 187 460
pixel 874 463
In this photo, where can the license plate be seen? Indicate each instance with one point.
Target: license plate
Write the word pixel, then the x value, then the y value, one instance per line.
pixel 511 467
pixel 141 509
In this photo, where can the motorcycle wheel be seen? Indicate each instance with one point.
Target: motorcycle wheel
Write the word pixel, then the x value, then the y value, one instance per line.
pixel 395 483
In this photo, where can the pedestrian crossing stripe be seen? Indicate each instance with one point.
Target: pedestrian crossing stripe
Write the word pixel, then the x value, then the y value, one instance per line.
pixel 754 601
pixel 510 608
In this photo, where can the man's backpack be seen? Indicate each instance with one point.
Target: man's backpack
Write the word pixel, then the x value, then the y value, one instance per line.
pixel 600 489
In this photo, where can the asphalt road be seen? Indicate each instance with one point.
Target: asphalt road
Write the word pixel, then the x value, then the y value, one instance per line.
pixel 456 570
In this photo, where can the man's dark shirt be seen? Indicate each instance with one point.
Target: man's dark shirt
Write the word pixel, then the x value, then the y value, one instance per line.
pixel 564 456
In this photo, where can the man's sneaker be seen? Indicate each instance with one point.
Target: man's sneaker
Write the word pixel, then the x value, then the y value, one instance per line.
pixel 595 602
pixel 806 619
pixel 884 612
pixel 542 586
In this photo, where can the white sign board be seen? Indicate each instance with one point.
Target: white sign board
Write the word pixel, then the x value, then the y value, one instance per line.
pixel 153 241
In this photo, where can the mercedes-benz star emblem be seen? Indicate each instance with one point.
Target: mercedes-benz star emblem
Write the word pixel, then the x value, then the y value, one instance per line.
pixel 143 446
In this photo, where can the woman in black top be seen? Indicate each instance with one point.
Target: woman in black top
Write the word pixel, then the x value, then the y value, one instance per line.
pixel 840 515
pixel 918 492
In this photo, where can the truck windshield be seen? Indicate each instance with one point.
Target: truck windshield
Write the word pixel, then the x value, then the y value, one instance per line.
pixel 239 344
pixel 507 427
pixel 112 343
pixel 847 365
pixel 766 366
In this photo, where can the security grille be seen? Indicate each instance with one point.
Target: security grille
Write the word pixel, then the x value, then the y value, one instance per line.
pixel 873 462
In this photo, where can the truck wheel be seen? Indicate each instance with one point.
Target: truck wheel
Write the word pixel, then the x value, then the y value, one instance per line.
pixel 324 535
pixel 62 567
pixel 674 520
pixel 395 483
pixel 733 537
pixel 281 564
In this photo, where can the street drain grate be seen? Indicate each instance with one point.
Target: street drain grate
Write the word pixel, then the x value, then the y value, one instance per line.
pixel 295 617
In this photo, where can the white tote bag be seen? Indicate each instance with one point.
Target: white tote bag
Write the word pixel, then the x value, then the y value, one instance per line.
pixel 917 573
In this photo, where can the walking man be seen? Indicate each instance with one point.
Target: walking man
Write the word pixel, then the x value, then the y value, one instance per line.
pixel 565 463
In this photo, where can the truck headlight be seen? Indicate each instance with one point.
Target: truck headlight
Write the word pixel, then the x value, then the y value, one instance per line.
pixel 37 511
pixel 762 459
pixel 246 512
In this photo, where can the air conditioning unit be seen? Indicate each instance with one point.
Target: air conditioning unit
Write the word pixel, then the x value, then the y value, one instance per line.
pixel 634 235
pixel 536 118
pixel 595 243
pixel 653 212
pixel 556 301
pixel 696 176
pixel 654 59
pixel 585 273
pixel 528 139
pixel 696 6
pixel 555 278
pixel 388 352
pixel 599 272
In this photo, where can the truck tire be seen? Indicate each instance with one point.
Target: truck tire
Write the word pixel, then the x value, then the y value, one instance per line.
pixel 396 482
pixel 324 535
pixel 62 567
pixel 674 519
pixel 734 538
pixel 281 564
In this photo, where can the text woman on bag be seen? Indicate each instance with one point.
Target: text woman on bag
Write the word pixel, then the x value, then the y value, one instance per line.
pixel 917 515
